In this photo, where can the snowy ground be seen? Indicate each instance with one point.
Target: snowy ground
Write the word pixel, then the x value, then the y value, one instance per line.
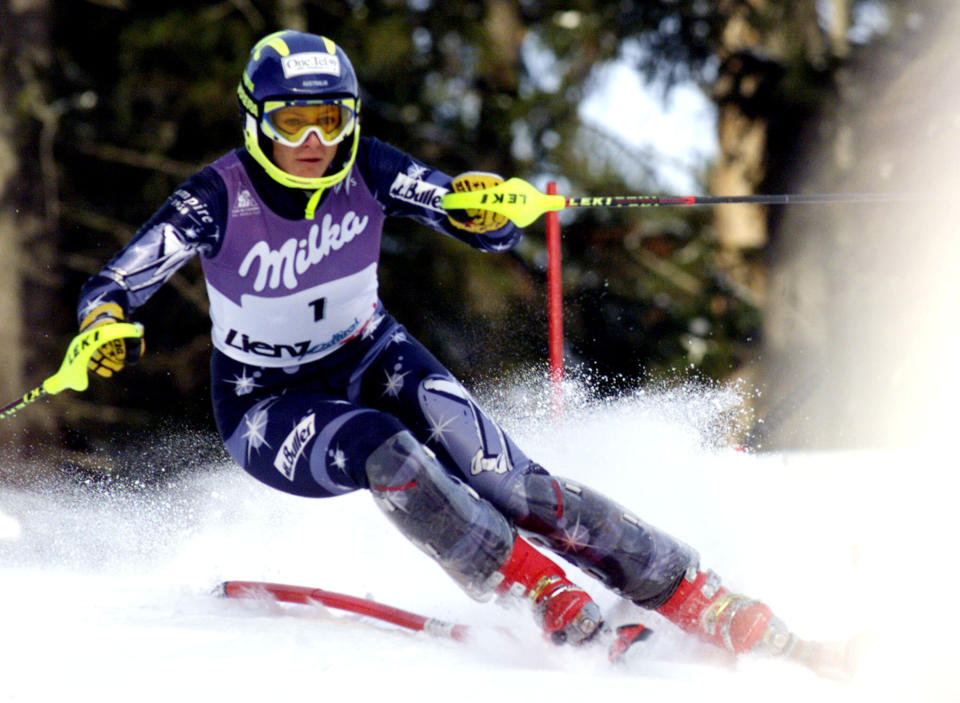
pixel 106 596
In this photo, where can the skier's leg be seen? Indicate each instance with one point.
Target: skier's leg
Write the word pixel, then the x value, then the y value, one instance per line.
pixel 471 539
pixel 601 537
pixel 294 433
pixel 307 444
pixel 289 432
pixel 643 564
pixel 401 377
pixel 438 513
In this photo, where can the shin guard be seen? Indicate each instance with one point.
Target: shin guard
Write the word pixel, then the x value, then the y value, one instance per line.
pixel 446 519
pixel 604 539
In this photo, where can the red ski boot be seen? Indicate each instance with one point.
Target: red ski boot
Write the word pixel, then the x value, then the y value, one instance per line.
pixel 564 610
pixel 705 608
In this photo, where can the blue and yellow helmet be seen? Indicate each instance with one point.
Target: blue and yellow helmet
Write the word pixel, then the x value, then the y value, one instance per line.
pixel 290 68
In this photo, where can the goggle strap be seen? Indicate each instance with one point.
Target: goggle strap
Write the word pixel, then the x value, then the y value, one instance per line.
pixel 349 103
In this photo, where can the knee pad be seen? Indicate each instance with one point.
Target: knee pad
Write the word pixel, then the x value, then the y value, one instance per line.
pixel 465 435
pixel 440 514
pixel 601 537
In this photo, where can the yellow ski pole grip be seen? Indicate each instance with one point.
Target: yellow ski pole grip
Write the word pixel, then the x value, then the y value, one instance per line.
pixel 515 199
pixel 73 370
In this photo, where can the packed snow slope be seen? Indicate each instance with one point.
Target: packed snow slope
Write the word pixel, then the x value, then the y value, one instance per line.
pixel 106 592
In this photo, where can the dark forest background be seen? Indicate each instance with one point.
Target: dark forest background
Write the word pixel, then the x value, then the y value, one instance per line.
pixel 109 104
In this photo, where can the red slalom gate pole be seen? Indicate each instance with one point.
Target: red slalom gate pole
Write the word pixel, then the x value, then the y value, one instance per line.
pixel 555 303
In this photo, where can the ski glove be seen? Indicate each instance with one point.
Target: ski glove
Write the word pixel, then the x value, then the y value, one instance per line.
pixel 476 221
pixel 112 356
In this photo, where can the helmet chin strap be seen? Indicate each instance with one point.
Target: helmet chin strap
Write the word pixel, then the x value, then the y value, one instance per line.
pixel 318 185
pixel 313 202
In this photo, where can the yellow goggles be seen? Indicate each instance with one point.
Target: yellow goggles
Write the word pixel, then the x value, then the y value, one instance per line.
pixel 290 123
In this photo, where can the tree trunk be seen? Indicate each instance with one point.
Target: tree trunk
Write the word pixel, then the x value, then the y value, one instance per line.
pixel 741 132
pixel 23 36
pixel 291 14
pixel 504 32
pixel 838 25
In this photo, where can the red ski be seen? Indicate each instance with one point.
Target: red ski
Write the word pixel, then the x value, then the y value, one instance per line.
pixel 831 660
pixel 622 639
pixel 339 601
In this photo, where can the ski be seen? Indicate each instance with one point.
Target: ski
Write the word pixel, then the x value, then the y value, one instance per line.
pixel 830 660
pixel 617 641
pixel 306 595
pixel 624 637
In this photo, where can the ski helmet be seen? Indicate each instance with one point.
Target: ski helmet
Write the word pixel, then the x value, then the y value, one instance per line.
pixel 296 69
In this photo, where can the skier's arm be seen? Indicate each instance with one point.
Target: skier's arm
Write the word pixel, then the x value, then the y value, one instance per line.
pixel 190 221
pixel 406 187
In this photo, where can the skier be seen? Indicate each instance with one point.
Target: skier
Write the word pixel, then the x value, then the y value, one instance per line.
pixel 319 391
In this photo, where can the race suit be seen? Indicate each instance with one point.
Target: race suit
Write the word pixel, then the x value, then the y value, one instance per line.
pixel 313 381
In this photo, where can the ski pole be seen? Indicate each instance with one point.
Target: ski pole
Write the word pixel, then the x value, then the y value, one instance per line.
pixel 523 204
pixel 73 370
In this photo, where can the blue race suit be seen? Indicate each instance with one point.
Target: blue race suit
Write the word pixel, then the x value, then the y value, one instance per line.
pixel 318 391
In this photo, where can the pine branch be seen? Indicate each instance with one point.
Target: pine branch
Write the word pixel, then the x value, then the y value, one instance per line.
pixel 139 159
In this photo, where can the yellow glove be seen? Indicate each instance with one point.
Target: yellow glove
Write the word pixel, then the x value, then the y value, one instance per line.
pixel 476 221
pixel 112 356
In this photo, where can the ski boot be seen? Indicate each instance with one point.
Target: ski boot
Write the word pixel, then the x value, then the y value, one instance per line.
pixel 565 611
pixel 738 624
pixel 704 608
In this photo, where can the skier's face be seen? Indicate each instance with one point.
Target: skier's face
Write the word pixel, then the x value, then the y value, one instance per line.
pixel 309 160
